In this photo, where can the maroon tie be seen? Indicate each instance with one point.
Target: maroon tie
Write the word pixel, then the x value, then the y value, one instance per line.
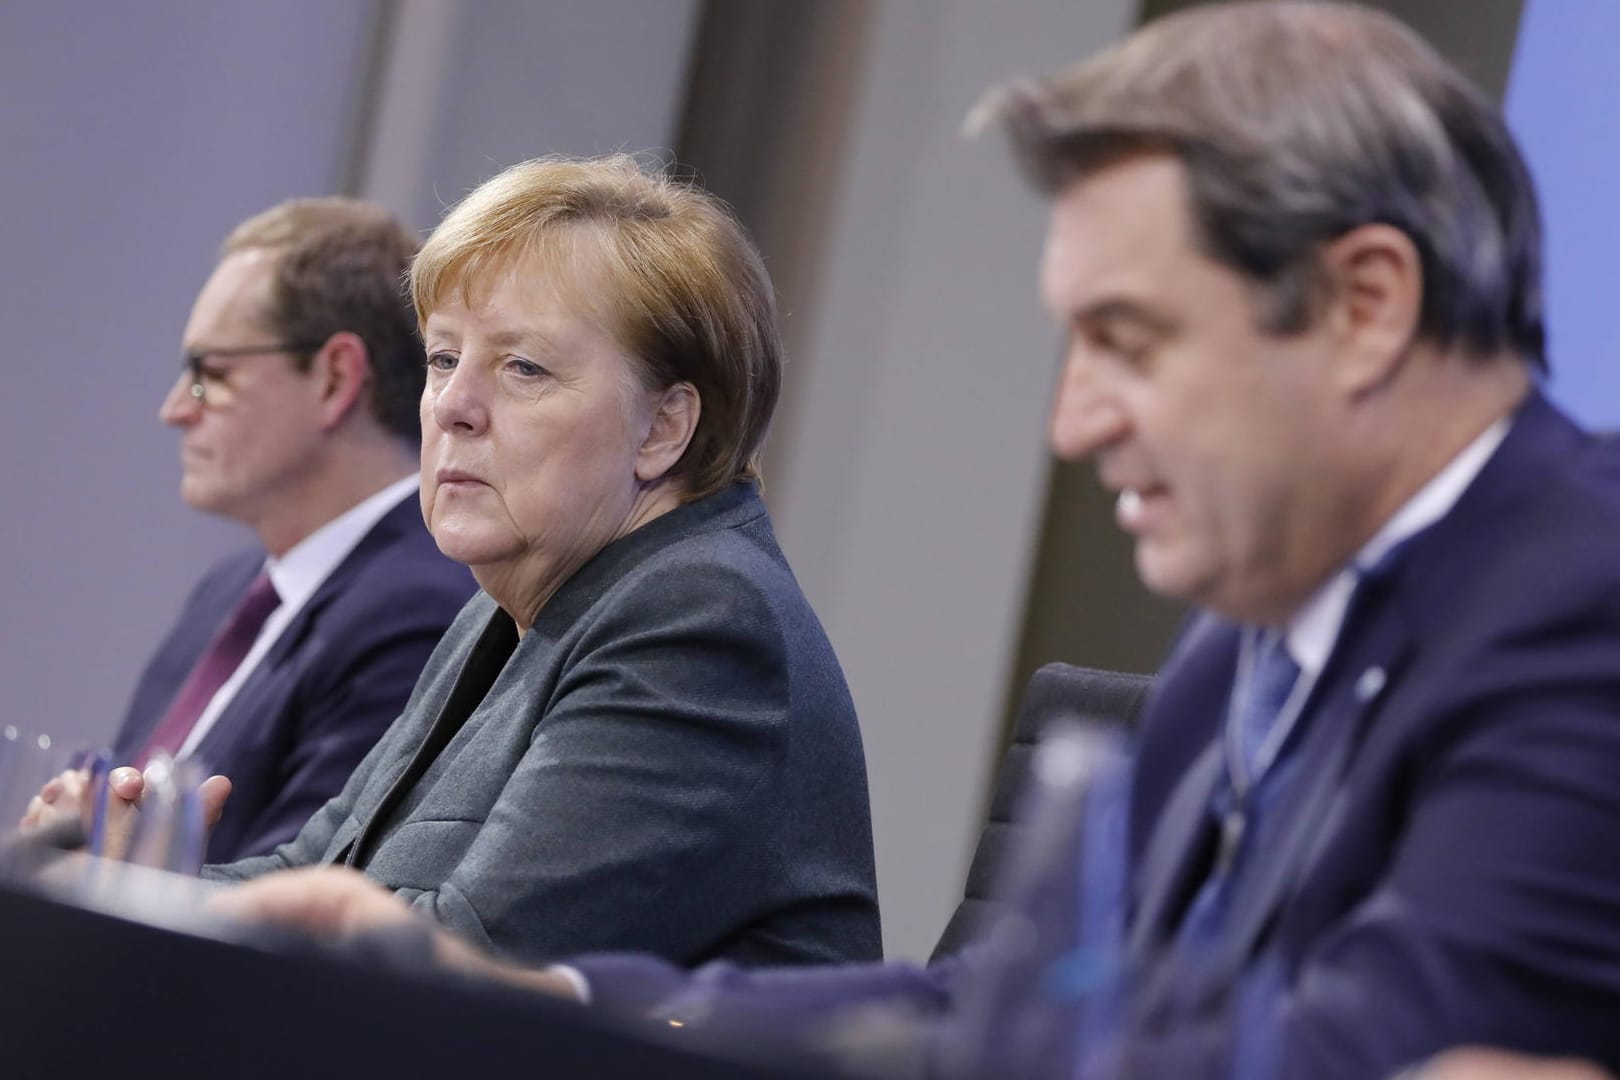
pixel 213 668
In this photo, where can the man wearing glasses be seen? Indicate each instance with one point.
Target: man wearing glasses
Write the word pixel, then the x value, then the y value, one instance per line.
pixel 297 411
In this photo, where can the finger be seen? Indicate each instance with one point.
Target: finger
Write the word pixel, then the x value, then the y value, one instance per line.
pixel 127 783
pixel 71 789
pixel 213 793
pixel 68 780
pixel 118 826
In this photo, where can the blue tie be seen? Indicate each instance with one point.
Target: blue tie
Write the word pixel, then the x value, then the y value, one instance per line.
pixel 1258 696
pixel 1264 689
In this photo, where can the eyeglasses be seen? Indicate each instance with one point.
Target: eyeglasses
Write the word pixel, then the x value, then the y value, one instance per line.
pixel 196 362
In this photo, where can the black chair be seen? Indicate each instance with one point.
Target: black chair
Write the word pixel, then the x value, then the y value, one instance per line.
pixel 1056 690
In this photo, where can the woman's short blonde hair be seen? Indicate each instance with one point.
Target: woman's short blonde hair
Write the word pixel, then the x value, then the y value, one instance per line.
pixel 665 266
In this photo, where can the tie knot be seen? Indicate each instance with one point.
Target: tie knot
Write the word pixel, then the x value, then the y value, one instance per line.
pixel 1262 691
pixel 1272 672
pixel 258 602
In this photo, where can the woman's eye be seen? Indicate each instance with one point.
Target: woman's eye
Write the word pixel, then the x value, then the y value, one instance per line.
pixel 526 368
pixel 441 361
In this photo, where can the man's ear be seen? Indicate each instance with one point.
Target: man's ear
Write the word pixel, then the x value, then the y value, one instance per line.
pixel 342 368
pixel 674 422
pixel 1376 278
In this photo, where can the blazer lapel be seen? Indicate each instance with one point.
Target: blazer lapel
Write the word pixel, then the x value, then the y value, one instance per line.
pixel 1173 856
pixel 1374 648
pixel 469 692
pixel 248 706
pixel 1176 830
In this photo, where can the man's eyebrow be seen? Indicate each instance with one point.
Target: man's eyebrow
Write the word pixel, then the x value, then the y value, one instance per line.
pixel 1117 310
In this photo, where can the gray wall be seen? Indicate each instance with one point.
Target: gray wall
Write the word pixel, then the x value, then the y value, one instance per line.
pixel 137 135
pixel 908 492
pixel 1477 36
pixel 465 88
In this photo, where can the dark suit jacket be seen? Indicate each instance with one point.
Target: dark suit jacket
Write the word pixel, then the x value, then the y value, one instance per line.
pixel 668 761
pixel 330 685
pixel 1446 865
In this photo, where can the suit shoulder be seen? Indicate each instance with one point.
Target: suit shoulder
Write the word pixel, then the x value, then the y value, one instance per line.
pixel 402 586
pixel 726 571
pixel 743 547
pixel 1538 545
pixel 1567 534
pixel 405 560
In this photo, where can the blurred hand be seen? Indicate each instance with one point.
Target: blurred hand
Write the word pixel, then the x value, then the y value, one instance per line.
pixel 68 794
pixel 1480 1064
pixel 330 903
pixel 337 904
pixel 64 796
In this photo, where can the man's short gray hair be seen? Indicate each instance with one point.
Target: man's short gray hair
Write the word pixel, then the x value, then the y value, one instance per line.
pixel 1297 122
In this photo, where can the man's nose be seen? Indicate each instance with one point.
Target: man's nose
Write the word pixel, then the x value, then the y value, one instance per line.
pixel 180 405
pixel 1086 416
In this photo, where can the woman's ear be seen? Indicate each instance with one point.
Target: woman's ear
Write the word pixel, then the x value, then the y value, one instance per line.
pixel 674 422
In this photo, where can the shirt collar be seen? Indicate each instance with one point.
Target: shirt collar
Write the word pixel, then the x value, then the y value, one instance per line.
pixel 297 574
pixel 1312 631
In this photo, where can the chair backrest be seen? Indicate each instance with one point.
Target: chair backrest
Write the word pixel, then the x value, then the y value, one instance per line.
pixel 1056 690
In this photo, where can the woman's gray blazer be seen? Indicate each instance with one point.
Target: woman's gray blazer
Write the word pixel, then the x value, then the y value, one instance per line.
pixel 668 762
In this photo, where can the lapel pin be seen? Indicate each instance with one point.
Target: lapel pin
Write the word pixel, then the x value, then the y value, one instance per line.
pixel 1370 684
